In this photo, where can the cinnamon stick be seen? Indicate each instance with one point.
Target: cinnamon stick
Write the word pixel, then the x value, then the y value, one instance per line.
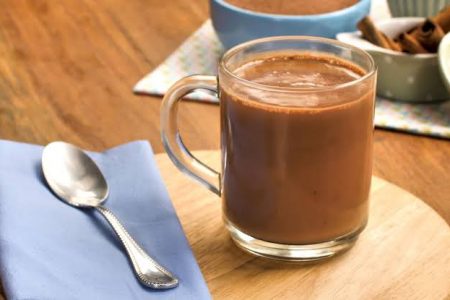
pixel 372 34
pixel 410 44
pixel 393 45
pixel 430 35
pixel 443 19
pixel 424 38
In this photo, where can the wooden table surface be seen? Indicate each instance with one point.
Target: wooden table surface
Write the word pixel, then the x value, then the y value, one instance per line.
pixel 67 68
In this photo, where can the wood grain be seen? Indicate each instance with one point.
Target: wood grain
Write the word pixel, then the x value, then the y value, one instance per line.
pixel 387 262
pixel 67 68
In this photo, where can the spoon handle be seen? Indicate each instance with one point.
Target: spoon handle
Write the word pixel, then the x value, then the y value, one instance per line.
pixel 149 272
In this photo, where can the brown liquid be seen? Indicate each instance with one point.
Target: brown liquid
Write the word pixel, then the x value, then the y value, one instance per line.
pixel 297 175
pixel 293 7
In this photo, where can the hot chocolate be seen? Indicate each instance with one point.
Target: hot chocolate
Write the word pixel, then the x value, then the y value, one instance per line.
pixel 293 7
pixel 297 172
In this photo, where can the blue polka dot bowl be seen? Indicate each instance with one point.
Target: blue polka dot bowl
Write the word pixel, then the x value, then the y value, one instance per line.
pixel 404 77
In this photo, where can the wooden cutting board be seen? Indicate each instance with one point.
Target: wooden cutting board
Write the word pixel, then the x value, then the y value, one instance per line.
pixel 404 253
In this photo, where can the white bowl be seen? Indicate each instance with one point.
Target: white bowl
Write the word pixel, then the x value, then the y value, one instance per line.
pixel 444 59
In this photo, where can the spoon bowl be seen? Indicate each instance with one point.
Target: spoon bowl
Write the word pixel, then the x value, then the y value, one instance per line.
pixel 73 175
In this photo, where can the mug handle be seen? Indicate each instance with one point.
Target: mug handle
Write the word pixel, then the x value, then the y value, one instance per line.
pixel 170 135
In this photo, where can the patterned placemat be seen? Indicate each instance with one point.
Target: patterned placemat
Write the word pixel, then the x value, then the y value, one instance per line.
pixel 200 53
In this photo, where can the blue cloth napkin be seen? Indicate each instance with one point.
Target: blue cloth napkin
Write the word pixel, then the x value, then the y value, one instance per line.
pixel 49 250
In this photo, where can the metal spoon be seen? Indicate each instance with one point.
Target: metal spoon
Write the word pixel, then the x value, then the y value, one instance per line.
pixel 77 180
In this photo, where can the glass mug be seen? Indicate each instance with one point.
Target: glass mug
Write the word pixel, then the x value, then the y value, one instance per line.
pixel 296 161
